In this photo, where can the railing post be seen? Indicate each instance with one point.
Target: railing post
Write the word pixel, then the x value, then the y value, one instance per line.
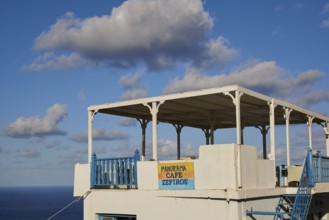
pixel 93 170
pixel 136 158
pixel 319 167
pixel 125 165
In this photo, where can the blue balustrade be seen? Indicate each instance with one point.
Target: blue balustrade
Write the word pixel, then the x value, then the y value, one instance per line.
pixel 114 172
pixel 320 166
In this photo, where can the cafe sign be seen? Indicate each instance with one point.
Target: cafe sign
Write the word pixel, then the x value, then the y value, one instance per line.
pixel 178 175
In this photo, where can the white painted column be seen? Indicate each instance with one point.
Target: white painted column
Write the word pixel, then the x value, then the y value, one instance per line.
pixel 154 112
pixel 309 124
pixel 238 116
pixel 287 112
pixel 272 130
pixel 326 129
pixel 236 102
pixel 91 115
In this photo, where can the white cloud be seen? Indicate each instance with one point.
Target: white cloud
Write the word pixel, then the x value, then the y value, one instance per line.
pixel 29 154
pixel 131 80
pixel 157 33
pixel 50 61
pixel 167 149
pixel 216 53
pixel 54 144
pixel 127 122
pixel 325 23
pixel 133 86
pixel 263 76
pixel 38 126
pixel 100 134
pixel 134 94
pixel 313 97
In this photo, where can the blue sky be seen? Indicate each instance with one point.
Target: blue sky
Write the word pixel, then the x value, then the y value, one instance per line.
pixel 58 57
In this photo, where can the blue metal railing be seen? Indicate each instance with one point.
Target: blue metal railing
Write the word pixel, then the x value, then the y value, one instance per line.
pixel 320 166
pixel 114 172
pixel 284 207
pixel 304 194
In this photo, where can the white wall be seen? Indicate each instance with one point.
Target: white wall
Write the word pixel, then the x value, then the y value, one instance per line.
pixel 147 174
pixel 81 179
pixel 217 168
pixel 182 205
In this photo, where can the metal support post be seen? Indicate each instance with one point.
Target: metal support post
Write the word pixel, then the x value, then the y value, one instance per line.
pixel 91 115
pixel 326 130
pixel 178 132
pixel 264 131
pixel 272 106
pixel 309 124
pixel 143 123
pixel 287 112
pixel 207 134
pixel 212 119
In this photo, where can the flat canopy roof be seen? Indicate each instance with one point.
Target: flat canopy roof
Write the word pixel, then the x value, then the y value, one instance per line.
pixel 199 108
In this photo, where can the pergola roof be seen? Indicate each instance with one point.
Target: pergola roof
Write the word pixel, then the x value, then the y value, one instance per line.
pixel 199 108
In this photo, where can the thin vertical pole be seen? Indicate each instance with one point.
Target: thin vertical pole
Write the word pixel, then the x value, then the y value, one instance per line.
pixel 178 132
pixel 264 142
pixel 154 131
pixel 91 115
pixel 326 129
pixel 272 129
pixel 238 117
pixel 212 119
pixel 212 133
pixel 287 116
pixel 309 124
pixel 143 123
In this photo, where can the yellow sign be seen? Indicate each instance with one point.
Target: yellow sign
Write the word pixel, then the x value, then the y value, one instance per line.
pixel 179 175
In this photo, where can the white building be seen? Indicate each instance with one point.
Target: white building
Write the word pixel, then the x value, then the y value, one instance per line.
pixel 226 181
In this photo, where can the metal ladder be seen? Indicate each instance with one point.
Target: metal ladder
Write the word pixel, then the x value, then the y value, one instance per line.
pixel 299 209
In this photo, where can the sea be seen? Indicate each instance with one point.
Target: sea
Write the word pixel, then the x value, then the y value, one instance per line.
pixel 39 203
